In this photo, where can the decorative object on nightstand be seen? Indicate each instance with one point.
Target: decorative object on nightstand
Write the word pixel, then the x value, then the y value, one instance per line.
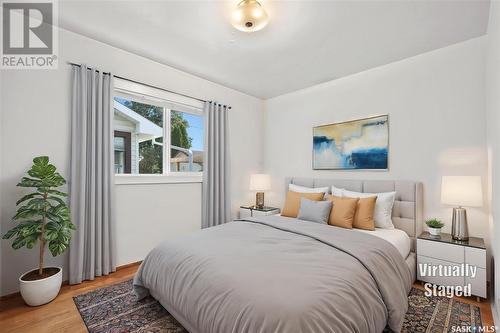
pixel 461 191
pixel 260 182
pixel 251 211
pixel 434 226
pixel 447 252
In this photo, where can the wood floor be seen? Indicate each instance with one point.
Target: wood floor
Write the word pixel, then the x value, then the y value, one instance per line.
pixel 61 314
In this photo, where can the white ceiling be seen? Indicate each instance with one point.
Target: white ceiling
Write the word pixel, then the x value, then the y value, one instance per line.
pixel 305 43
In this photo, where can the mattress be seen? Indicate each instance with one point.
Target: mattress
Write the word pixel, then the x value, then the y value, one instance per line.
pixel 396 237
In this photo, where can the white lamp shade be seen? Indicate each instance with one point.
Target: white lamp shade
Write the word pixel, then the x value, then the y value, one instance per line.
pixel 260 182
pixel 462 191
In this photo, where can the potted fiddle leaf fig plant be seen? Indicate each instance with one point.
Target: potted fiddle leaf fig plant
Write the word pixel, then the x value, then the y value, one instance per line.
pixel 42 217
pixel 434 226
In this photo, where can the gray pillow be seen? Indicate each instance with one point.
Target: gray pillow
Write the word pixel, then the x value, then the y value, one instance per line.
pixel 314 211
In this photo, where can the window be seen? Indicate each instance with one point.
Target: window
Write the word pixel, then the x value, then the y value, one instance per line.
pixel 154 136
pixel 138 137
pixel 186 142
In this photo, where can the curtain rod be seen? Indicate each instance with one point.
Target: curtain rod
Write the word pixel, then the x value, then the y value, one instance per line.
pixel 148 85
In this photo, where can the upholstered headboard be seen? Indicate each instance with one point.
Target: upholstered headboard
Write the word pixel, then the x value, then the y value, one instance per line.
pixel 407 213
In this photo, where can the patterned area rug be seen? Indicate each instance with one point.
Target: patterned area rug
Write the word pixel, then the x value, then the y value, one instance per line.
pixel 439 314
pixel 115 309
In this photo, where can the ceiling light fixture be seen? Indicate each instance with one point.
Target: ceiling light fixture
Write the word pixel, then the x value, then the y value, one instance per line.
pixel 249 16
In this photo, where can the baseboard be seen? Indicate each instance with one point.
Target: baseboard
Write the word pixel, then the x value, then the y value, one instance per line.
pixel 137 263
pixel 494 312
pixel 66 282
pixel 18 294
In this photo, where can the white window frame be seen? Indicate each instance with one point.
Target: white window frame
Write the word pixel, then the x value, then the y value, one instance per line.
pixel 169 102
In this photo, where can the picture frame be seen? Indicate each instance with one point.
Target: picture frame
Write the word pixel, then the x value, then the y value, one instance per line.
pixel 360 144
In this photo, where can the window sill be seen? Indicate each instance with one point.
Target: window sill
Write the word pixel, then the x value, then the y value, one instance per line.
pixel 174 178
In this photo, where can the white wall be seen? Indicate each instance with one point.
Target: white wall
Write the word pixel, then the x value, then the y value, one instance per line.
pixel 493 136
pixel 37 122
pixel 163 213
pixel 435 103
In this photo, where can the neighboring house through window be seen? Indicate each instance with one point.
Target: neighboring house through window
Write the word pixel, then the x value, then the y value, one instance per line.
pixel 144 124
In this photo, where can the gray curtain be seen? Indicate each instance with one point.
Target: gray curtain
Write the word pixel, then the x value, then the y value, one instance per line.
pixel 216 207
pixel 92 248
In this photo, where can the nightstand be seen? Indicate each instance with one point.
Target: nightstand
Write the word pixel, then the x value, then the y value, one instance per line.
pixel 251 211
pixel 443 250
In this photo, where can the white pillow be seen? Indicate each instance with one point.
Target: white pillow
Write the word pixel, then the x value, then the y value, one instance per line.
pixel 383 206
pixel 338 192
pixel 303 189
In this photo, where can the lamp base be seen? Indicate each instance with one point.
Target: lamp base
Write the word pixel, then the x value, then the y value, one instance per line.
pixel 259 200
pixel 459 229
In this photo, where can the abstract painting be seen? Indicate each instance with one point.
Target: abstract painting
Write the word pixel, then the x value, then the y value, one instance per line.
pixel 357 144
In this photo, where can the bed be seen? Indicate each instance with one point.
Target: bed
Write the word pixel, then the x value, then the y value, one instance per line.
pixel 279 274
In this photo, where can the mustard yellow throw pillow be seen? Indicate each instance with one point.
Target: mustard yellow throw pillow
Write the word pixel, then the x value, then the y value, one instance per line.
pixel 363 219
pixel 343 211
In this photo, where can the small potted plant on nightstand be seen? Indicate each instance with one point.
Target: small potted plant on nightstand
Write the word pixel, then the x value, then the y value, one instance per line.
pixel 43 217
pixel 434 226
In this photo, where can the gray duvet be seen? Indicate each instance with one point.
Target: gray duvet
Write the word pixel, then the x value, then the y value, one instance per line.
pixel 277 274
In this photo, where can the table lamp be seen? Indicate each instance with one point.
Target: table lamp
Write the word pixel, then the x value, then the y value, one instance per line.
pixel 260 182
pixel 461 191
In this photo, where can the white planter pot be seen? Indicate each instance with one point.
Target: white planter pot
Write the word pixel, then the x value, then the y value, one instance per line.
pixel 42 291
pixel 434 231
